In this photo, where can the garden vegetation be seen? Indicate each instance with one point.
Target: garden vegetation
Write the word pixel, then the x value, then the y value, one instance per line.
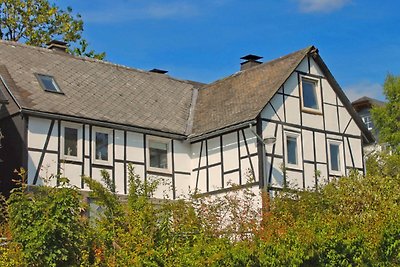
pixel 352 221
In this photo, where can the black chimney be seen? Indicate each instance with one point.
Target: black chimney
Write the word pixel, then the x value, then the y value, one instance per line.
pixel 158 71
pixel 250 61
pixel 57 46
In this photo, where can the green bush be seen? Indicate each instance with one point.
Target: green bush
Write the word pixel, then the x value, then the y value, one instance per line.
pixel 352 221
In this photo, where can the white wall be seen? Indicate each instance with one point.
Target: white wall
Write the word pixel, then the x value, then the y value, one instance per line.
pixel 333 122
pixel 214 164
pixel 52 161
pixel 220 162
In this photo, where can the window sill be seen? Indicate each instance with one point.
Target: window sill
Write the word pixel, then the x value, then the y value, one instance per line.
pixel 336 173
pixel 293 166
pixel 70 158
pixel 101 162
pixel 311 111
pixel 159 171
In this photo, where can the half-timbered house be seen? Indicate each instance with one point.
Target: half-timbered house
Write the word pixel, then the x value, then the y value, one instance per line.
pixel 285 122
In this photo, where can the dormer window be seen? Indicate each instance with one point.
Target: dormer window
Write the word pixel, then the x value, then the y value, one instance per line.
pixel 48 83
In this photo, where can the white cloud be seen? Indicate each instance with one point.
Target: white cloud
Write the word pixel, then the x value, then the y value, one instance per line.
pixel 363 88
pixel 170 10
pixel 326 6
pixel 151 9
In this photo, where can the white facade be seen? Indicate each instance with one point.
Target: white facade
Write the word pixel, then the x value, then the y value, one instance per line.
pixel 315 142
pixel 231 157
pixel 46 149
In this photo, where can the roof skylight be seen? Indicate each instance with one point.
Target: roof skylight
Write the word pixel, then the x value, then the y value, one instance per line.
pixel 48 83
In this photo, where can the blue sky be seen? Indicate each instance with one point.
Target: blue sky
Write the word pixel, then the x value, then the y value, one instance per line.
pixel 203 40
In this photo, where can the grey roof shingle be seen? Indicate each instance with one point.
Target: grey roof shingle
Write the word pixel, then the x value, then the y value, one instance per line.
pixel 242 96
pixel 106 92
pixel 97 90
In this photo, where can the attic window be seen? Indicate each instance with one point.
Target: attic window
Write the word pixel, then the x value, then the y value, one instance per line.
pixel 310 95
pixel 48 83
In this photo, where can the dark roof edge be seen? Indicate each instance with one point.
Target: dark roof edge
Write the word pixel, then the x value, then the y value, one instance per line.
pixel 3 99
pixel 245 124
pixel 9 92
pixel 192 108
pixel 309 49
pixel 103 124
pixel 369 138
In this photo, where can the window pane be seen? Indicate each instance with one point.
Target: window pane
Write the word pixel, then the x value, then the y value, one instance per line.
pixel 158 155
pixel 335 160
pixel 70 141
pixel 49 83
pixel 368 122
pixel 291 143
pixel 309 94
pixel 102 146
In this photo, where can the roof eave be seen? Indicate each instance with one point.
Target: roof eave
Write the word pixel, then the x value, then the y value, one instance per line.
pixel 220 131
pixel 138 129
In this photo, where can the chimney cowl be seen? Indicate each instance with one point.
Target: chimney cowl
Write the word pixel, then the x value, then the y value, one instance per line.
pixel 159 71
pixel 57 45
pixel 250 61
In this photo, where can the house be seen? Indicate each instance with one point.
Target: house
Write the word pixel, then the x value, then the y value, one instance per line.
pixel 363 108
pixel 285 122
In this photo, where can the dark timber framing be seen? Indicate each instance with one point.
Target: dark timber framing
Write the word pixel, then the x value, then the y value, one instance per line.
pixel 125 165
pixel 83 155
pixel 173 170
pixel 341 134
pixel 46 143
pixel 206 165
pixel 265 174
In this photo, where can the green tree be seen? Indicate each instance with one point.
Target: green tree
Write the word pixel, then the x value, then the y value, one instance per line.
pixel 36 22
pixel 387 117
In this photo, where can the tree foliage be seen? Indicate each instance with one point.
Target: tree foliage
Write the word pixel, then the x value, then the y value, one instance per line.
pixel 352 221
pixel 37 22
pixel 387 118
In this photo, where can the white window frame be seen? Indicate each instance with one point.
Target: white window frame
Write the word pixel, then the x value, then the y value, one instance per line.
pixel 166 141
pixel 79 141
pixel 367 119
pixel 109 161
pixel 339 172
pixel 317 89
pixel 298 147
pixel 53 81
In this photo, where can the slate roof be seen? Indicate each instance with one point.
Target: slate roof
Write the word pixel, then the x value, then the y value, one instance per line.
pixel 96 89
pixel 242 96
pixel 104 92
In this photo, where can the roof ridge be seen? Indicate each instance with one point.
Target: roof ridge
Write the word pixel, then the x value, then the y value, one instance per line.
pixel 94 60
pixel 308 48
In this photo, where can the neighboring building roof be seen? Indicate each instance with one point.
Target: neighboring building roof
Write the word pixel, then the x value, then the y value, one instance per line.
pixel 97 89
pixel 366 102
pixel 242 96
